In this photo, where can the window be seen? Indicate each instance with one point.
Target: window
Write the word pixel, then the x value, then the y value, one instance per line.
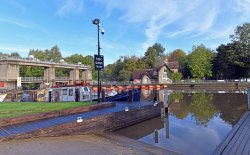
pixel 165 74
pixel 70 92
pixel 64 91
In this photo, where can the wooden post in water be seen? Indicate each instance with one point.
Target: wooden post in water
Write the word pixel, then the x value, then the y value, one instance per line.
pixel 167 126
pixel 248 97
pixel 156 135
pixel 165 101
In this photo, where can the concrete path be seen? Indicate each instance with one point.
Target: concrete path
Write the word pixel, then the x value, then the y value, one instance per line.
pixel 80 145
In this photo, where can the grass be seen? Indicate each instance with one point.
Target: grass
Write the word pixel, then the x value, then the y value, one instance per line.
pixel 13 109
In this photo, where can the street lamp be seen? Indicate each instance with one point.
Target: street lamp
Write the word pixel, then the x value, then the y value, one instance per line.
pixel 99 59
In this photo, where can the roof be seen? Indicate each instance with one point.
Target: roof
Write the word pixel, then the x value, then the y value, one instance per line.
pixel 173 65
pixel 139 73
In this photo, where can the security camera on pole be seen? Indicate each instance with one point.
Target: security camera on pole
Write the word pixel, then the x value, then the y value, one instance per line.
pixel 98 59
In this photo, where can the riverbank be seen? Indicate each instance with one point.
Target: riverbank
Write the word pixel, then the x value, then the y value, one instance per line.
pixel 97 144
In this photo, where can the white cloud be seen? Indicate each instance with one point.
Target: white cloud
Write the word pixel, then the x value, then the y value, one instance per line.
pixel 165 16
pixel 70 7
pixel 13 22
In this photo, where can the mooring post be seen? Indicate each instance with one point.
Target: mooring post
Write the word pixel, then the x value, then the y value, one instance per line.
pixel 167 126
pixel 165 101
pixel 248 97
pixel 156 136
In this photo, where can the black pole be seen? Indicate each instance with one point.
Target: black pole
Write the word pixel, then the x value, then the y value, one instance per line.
pixel 98 72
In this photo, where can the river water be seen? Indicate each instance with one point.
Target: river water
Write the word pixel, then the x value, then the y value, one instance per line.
pixel 195 124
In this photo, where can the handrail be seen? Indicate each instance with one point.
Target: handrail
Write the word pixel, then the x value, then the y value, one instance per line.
pixel 45 62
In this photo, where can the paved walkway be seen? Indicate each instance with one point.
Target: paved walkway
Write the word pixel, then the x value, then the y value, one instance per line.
pixel 106 144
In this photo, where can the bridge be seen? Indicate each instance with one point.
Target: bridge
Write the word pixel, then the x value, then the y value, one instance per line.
pixel 9 69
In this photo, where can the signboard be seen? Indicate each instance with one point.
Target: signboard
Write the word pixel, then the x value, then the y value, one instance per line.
pixel 1 84
pixel 18 82
pixel 99 62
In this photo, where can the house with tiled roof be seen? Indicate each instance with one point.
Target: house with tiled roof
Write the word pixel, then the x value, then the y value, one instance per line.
pixel 159 74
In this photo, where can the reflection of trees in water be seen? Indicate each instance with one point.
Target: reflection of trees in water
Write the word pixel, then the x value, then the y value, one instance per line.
pixel 231 106
pixel 179 109
pixel 176 96
pixel 202 108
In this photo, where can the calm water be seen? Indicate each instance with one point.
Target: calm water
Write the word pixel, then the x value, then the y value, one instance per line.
pixel 196 123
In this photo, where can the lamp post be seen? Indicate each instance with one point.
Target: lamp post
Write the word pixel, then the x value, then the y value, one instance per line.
pixel 98 68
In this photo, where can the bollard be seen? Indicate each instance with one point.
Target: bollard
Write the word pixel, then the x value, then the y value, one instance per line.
pixel 248 97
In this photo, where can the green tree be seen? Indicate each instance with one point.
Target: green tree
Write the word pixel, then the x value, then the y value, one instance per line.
pixel 176 76
pixel 177 55
pixel 39 54
pixel 15 55
pixel 233 59
pixel 151 57
pixel 54 54
pixel 200 62
pixel 159 52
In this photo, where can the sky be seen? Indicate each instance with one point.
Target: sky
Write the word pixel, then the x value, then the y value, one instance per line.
pixel 131 26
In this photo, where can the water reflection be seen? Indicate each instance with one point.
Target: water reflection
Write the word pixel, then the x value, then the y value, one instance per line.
pixel 194 120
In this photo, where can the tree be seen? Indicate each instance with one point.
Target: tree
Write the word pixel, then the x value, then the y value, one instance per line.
pixel 150 57
pixel 54 54
pixel 177 55
pixel 39 54
pixel 176 76
pixel 159 52
pixel 233 59
pixel 15 55
pixel 199 62
pixel 180 56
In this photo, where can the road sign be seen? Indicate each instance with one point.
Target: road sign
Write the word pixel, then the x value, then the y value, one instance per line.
pixel 1 84
pixel 99 62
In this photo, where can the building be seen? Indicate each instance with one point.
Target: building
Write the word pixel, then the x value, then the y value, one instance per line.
pixel 159 74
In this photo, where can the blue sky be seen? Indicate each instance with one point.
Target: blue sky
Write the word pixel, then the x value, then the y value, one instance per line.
pixel 131 26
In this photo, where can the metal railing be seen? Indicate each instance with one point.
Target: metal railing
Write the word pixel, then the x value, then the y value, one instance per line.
pixel 40 79
pixel 32 79
pixel 35 60
pixel 190 81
